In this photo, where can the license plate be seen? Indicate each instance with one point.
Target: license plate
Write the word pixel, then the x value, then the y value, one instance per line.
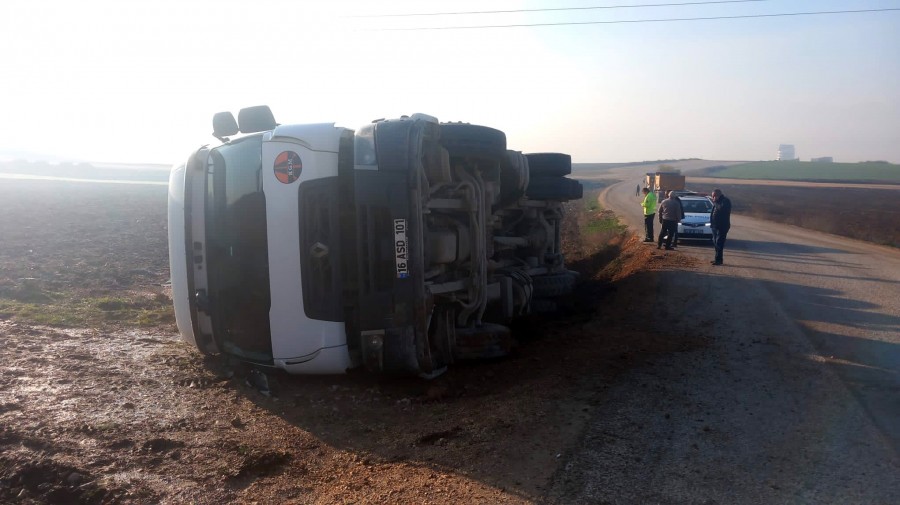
pixel 690 231
pixel 401 248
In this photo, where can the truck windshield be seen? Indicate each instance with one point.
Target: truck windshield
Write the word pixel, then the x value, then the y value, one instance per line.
pixel 237 250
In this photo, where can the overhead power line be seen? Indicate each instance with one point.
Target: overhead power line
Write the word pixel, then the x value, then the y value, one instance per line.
pixel 661 20
pixel 674 4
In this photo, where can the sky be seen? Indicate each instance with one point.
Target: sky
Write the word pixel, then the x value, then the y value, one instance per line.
pixel 139 81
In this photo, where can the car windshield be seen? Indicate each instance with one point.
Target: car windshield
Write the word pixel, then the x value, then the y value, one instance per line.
pixel 697 206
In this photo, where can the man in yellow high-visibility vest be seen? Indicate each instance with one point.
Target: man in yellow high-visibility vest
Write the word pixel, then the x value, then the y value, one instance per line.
pixel 649 205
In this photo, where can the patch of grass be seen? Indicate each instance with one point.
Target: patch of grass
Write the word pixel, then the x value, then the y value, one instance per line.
pixel 591 236
pixel 871 172
pixel 594 219
pixel 38 313
pixel 74 311
pixel 604 222
pixel 139 311
pixel 111 304
pixel 27 291
pixel 108 426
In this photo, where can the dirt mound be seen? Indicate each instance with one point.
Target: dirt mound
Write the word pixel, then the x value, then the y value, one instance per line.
pixel 46 481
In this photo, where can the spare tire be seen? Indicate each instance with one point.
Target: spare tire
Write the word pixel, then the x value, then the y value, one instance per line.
pixel 549 164
pixel 473 141
pixel 554 188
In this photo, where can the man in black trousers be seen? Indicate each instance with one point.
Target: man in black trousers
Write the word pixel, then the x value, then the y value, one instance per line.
pixel 648 204
pixel 670 213
pixel 720 222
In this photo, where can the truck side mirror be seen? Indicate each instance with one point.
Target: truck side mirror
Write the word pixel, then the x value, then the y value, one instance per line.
pixel 256 119
pixel 224 125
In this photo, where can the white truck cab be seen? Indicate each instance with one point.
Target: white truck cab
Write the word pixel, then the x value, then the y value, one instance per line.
pixel 403 246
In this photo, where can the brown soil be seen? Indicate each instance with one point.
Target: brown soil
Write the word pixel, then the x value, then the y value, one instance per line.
pixel 114 413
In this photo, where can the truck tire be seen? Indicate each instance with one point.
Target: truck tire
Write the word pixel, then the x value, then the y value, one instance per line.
pixel 513 177
pixel 473 141
pixel 543 306
pixel 549 164
pixel 554 188
pixel 553 285
pixel 483 342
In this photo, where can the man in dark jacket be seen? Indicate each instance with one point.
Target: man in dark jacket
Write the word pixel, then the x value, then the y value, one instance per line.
pixel 720 222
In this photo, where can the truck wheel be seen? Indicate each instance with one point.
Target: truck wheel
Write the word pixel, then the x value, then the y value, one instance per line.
pixel 513 177
pixel 483 342
pixel 549 164
pixel 554 188
pixel 543 306
pixel 553 285
pixel 466 140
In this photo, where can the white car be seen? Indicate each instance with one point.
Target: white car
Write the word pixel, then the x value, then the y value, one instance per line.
pixel 695 225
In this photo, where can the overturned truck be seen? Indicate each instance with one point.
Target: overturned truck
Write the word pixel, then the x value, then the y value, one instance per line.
pixel 402 246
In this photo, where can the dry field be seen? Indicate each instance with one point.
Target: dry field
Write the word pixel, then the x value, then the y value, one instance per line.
pixel 864 214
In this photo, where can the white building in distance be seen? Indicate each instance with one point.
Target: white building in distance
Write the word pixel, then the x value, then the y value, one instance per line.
pixel 786 152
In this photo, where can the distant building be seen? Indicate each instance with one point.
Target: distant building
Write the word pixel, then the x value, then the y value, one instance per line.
pixel 823 159
pixel 786 152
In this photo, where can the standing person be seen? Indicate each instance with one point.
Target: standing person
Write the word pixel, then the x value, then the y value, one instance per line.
pixel 649 206
pixel 670 213
pixel 720 222
pixel 637 190
pixel 681 213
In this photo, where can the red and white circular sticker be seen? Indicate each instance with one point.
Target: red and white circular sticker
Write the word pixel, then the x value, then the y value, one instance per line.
pixel 288 167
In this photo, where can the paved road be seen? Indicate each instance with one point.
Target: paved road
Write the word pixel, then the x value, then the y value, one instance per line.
pixel 796 399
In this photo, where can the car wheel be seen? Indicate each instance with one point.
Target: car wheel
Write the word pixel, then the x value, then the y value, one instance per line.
pixel 549 164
